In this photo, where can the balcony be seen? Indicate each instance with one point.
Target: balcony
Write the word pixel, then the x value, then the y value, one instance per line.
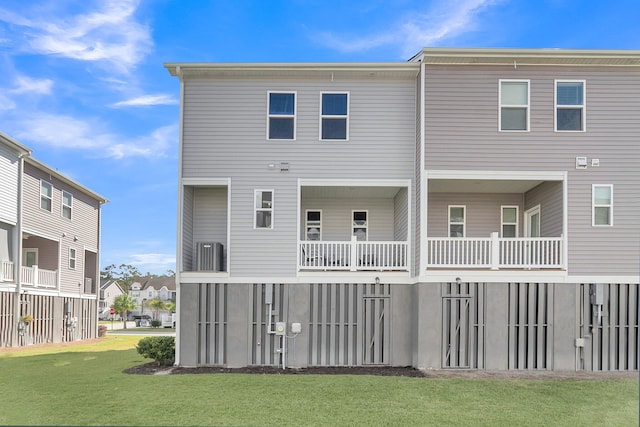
pixel 353 255
pixel 6 271
pixel 39 277
pixel 496 253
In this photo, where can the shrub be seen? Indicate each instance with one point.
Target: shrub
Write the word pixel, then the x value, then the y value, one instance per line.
pixel 156 323
pixel 102 331
pixel 160 349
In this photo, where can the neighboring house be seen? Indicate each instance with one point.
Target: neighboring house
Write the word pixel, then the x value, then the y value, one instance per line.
pixel 109 290
pixel 469 208
pixel 145 289
pixel 49 240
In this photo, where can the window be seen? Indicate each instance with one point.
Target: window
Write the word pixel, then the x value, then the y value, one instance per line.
pixel 359 225
pixel 46 190
pixel 334 118
pixel 509 220
pixel 514 105
pixel 72 258
pixel 67 201
pixel 602 204
pixel 457 221
pixel 29 257
pixel 263 209
pixel 282 115
pixel 570 105
pixel 313 225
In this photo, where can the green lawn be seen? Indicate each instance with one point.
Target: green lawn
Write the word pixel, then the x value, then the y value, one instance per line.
pixel 84 385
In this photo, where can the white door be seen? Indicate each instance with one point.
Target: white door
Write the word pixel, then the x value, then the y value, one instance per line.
pixel 532 222
pixel 29 257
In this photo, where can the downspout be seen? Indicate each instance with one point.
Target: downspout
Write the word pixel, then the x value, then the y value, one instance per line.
pixel 18 244
pixel 179 237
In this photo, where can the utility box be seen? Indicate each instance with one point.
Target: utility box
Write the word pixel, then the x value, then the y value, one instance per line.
pixel 281 328
pixel 597 294
pixel 208 256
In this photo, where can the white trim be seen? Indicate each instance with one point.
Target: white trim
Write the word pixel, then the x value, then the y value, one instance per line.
pixel 24 255
pixel 74 258
pixel 70 206
pixel 594 206
pixel 422 219
pixel 42 181
pixel 365 226
pixel 213 182
pixel 257 209
pixel 306 223
pixel 502 223
pixel 498 175
pixel 346 117
pixel 283 116
pixel 583 107
pixel 355 182
pixel 565 220
pixel 40 234
pixel 527 106
pixel 464 220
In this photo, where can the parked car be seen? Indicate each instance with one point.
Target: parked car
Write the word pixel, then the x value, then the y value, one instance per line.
pixel 140 319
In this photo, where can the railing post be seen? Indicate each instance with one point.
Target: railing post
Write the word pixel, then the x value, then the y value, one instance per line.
pixel 495 251
pixel 353 262
pixel 36 279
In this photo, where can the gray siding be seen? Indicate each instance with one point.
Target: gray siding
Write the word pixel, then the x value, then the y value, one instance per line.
pixel 210 216
pixel 482 212
pixel 225 137
pixel 79 233
pixel 462 126
pixel 549 196
pixel 401 228
pixel 9 188
pixel 187 228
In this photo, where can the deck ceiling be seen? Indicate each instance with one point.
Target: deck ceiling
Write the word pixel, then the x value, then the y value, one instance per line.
pixel 357 192
pixel 481 185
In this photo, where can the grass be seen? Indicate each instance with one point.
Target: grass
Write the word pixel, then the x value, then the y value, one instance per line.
pixel 84 385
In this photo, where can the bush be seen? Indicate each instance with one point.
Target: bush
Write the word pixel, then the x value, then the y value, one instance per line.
pixel 160 349
pixel 156 323
pixel 102 331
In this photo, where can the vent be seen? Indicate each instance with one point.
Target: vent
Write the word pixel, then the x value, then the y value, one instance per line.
pixel 209 256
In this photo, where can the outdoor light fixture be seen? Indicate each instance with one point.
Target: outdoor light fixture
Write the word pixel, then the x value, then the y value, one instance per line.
pixel 458 280
pixel 377 280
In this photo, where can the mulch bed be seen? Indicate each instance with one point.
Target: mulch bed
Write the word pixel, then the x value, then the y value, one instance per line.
pixel 153 368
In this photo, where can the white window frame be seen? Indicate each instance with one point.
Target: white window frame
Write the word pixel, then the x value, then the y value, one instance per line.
pixel 463 223
pixel 293 116
pixel 527 106
pixel 365 226
pixel 257 209
pixel 582 107
pixel 73 254
pixel 502 221
pixel 24 255
pixel 44 196
pixel 308 225
pixel 69 206
pixel 594 205
pixel 329 116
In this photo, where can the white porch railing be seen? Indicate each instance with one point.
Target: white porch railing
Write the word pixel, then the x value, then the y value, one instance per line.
pixel 495 252
pixel 353 255
pixel 6 271
pixel 39 277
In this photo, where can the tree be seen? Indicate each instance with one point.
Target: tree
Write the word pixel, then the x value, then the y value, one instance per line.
pixel 125 274
pixel 170 306
pixel 156 305
pixel 123 304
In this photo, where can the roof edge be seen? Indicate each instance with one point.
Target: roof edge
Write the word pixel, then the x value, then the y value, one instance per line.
pixel 15 145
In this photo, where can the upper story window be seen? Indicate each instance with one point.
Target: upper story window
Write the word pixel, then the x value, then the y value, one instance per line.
pixel 72 259
pixel 313 225
pixel 46 191
pixel 509 219
pixel 570 105
pixel 360 225
pixel 67 201
pixel 334 116
pixel 282 115
pixel 457 221
pixel 263 212
pixel 602 204
pixel 514 105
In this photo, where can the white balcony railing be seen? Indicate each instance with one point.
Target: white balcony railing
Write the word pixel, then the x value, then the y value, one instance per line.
pixel 353 255
pixel 6 271
pixel 495 252
pixel 39 277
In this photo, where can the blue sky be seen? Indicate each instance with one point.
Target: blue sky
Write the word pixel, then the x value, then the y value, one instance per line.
pixel 84 85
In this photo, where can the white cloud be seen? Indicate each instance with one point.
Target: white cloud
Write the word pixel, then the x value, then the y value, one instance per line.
pixel 147 100
pixel 444 20
pixel 24 84
pixel 67 132
pixel 110 34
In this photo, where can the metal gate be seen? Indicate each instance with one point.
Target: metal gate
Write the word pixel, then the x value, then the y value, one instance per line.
pixel 462 325
pixel 375 312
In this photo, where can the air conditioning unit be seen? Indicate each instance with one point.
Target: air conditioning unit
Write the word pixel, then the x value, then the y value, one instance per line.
pixel 209 256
